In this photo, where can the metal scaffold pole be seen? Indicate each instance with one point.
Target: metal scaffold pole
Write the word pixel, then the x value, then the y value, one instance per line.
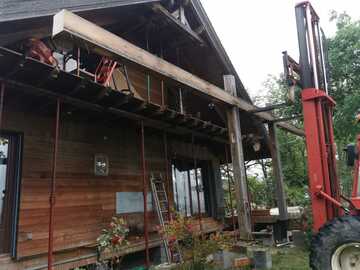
pixel 230 191
pixel 53 188
pixel 2 94
pixel 145 192
pixel 196 180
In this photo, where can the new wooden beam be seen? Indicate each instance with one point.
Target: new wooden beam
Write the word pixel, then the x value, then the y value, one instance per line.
pixel 92 37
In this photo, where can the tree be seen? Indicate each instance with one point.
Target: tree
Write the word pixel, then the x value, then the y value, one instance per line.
pixel 292 147
pixel 344 61
pixel 344 58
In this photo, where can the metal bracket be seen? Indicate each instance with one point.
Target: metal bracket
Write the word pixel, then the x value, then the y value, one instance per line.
pixel 321 194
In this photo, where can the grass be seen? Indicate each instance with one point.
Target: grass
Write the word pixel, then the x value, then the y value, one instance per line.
pixel 282 259
pixel 290 259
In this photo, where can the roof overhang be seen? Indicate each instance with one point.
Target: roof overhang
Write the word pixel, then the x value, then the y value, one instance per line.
pixel 19 10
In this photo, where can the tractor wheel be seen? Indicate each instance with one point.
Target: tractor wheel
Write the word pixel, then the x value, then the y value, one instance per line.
pixel 337 245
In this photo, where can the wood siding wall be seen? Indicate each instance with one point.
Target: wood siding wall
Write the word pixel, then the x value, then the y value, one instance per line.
pixel 84 203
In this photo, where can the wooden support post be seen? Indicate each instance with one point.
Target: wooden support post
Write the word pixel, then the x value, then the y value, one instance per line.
pixel 277 170
pixel 148 79
pixel 162 94
pixel 77 62
pixel 237 155
pixel 148 88
pixel 181 104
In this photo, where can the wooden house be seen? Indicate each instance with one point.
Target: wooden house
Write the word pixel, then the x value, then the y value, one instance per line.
pixel 96 100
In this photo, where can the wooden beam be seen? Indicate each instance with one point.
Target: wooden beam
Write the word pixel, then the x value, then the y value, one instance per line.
pixel 238 162
pixel 159 9
pixel 277 171
pixel 70 26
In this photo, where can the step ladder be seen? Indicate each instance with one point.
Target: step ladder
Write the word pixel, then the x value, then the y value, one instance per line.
pixel 162 209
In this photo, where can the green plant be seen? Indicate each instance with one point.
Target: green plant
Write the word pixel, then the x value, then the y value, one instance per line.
pixel 195 246
pixel 113 238
pixel 193 266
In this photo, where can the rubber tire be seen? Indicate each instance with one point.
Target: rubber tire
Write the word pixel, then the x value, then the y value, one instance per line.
pixel 332 235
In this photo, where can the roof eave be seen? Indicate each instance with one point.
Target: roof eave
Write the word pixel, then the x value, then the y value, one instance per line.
pixel 29 14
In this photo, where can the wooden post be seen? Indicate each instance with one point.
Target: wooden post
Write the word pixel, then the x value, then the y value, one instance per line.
pixel 277 170
pixel 237 156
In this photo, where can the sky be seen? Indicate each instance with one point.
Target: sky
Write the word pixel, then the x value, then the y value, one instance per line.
pixel 256 32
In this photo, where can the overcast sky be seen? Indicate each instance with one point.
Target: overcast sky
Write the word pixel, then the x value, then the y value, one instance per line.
pixel 255 32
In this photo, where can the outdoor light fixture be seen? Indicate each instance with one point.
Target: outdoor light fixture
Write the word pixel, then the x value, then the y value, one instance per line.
pixel 257 146
pixel 101 165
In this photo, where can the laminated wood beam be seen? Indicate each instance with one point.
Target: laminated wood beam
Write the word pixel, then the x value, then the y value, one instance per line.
pixel 69 26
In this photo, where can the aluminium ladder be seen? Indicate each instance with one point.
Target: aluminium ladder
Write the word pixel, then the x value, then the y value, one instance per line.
pixel 162 210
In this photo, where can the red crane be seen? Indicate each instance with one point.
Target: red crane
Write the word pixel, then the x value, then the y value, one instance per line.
pixel 336 219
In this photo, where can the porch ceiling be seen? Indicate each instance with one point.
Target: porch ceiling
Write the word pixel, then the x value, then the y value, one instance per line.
pixel 39 79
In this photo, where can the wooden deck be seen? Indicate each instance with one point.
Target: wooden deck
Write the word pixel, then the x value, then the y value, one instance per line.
pixel 87 254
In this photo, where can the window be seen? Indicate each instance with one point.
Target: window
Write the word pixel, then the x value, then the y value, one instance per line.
pixel 10 174
pixel 4 143
pixel 185 191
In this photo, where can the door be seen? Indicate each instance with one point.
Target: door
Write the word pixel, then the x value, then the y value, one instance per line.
pixel 9 165
pixel 185 188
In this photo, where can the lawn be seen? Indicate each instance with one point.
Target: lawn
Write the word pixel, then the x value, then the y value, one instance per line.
pixel 290 259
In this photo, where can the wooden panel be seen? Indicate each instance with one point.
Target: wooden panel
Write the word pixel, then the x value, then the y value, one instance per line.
pixel 138 80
